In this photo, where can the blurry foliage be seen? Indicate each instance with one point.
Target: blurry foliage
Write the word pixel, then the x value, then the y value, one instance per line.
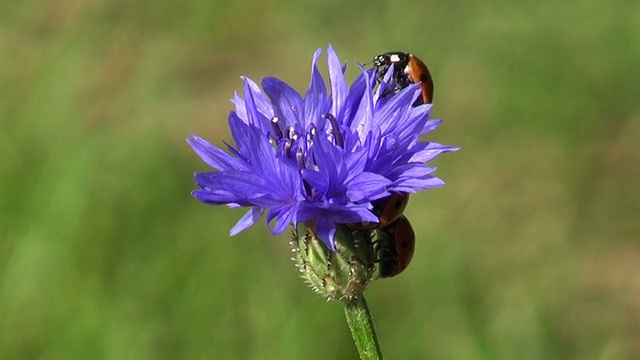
pixel 531 252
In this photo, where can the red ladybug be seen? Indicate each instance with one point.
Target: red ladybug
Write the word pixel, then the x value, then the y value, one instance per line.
pixel 390 208
pixel 387 210
pixel 395 246
pixel 407 69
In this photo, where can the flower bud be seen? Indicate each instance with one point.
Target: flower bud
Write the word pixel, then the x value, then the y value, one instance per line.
pixel 342 274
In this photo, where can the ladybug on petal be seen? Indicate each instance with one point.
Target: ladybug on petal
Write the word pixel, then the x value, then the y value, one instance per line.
pixel 407 69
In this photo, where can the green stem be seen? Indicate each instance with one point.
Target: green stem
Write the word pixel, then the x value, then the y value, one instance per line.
pixel 362 328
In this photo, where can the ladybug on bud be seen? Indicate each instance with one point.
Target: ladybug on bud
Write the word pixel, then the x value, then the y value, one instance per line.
pixel 394 247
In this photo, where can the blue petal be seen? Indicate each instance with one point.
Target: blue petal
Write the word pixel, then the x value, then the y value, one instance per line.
pixel 213 156
pixel 364 113
pixel 350 108
pixel 359 213
pixel 286 217
pixel 254 117
pixel 387 116
pixel 415 185
pixel 316 180
pixel 216 197
pixel 247 220
pixel 430 126
pixel 337 80
pixel 240 133
pixel 367 187
pixel 414 177
pixel 386 81
pixel 262 103
pixel 326 231
pixel 286 101
pixel 315 100
pixel 430 151
pixel 233 186
pixel 330 162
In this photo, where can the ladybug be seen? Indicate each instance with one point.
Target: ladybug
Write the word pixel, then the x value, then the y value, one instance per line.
pixel 394 247
pixel 387 210
pixel 390 208
pixel 407 69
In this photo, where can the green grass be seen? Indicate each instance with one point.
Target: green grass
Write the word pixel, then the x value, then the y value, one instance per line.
pixel 530 252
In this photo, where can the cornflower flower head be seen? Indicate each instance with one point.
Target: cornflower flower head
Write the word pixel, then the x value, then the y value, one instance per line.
pixel 321 158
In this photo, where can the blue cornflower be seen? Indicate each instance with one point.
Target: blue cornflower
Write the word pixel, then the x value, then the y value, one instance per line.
pixel 323 157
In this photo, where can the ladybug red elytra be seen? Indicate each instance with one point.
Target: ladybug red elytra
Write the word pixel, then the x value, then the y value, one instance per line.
pixel 394 247
pixel 407 69
pixel 387 209
pixel 390 208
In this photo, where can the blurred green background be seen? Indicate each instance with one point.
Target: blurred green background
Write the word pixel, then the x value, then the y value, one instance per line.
pixel 532 251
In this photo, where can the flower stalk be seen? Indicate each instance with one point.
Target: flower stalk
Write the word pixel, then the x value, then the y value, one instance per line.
pixel 362 328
